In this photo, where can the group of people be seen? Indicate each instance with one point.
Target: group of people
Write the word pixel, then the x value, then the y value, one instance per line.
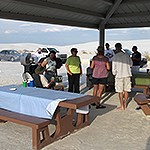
pixel 117 61
pixel 47 70
pixel 122 66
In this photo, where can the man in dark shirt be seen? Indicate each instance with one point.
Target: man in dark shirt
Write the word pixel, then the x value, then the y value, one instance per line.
pixel 136 58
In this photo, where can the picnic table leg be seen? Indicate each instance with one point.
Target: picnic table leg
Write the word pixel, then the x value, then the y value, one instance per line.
pixel 82 120
pixel 45 138
pixel 35 139
pixel 145 90
pixel 64 124
pixel 45 133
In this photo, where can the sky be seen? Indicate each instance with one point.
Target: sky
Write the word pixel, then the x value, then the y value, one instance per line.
pixel 27 32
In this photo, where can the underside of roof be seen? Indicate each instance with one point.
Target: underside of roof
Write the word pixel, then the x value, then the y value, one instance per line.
pixel 81 13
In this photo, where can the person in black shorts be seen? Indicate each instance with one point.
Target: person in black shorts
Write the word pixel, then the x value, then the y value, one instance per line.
pixel 100 65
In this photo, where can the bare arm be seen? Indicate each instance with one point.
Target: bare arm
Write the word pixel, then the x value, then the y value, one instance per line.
pixel 108 66
pixel 43 64
pixel 92 65
pixel 80 70
pixel 114 71
pixel 67 68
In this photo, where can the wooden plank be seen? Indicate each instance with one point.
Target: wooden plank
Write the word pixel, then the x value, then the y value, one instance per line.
pixel 79 102
pixel 145 109
pixel 143 102
pixel 23 119
pixel 141 99
pixel 144 87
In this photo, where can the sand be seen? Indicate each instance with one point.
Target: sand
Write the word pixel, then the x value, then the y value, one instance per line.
pixel 110 129
pixel 143 46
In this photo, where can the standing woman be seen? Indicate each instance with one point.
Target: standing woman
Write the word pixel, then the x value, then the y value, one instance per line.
pixel 100 65
pixel 74 71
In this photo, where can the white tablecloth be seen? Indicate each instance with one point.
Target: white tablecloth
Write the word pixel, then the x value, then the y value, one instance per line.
pixel 33 101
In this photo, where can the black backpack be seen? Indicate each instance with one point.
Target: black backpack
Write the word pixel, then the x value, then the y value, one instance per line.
pixel 58 63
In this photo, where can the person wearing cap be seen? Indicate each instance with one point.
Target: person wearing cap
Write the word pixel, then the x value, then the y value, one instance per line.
pixel 74 71
pixel 109 53
pixel 100 66
pixel 121 69
pixel 136 59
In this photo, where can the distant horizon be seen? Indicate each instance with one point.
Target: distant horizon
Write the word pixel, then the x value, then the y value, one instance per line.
pixel 143 45
pixel 69 43
pixel 146 39
pixel 48 34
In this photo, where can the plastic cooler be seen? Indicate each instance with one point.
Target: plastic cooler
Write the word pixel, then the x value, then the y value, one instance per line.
pixel 31 83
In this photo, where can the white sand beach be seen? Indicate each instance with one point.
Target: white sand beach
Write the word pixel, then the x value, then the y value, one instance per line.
pixel 143 46
pixel 109 129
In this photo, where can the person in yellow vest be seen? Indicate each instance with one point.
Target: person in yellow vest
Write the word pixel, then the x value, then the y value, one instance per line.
pixel 74 71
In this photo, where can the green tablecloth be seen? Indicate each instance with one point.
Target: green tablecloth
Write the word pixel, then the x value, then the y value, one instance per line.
pixel 141 78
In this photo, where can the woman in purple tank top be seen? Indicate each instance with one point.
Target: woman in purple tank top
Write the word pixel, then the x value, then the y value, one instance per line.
pixel 100 65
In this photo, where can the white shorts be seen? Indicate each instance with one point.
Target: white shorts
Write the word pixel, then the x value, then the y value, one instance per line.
pixel 123 84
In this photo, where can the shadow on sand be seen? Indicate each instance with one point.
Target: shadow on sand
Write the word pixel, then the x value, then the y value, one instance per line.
pixel 148 144
pixel 99 112
pixel 132 95
pixel 107 96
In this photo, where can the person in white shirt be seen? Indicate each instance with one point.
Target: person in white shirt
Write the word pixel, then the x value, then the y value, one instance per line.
pixel 50 64
pixel 121 68
pixel 109 53
pixel 47 70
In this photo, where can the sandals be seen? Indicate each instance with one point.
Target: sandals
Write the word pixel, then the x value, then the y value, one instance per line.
pixel 93 104
pixel 100 107
pixel 138 108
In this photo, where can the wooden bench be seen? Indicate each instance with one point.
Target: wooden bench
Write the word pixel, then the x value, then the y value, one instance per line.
pixel 143 102
pixel 144 87
pixel 38 125
pixel 65 123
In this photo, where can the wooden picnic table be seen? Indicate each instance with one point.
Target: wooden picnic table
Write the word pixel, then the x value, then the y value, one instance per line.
pixel 65 123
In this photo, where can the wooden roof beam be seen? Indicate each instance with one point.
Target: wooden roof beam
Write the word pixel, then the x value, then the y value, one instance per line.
pixel 130 15
pixel 128 25
pixel 108 2
pixel 45 4
pixel 110 12
pixel 22 17
pixel 135 1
